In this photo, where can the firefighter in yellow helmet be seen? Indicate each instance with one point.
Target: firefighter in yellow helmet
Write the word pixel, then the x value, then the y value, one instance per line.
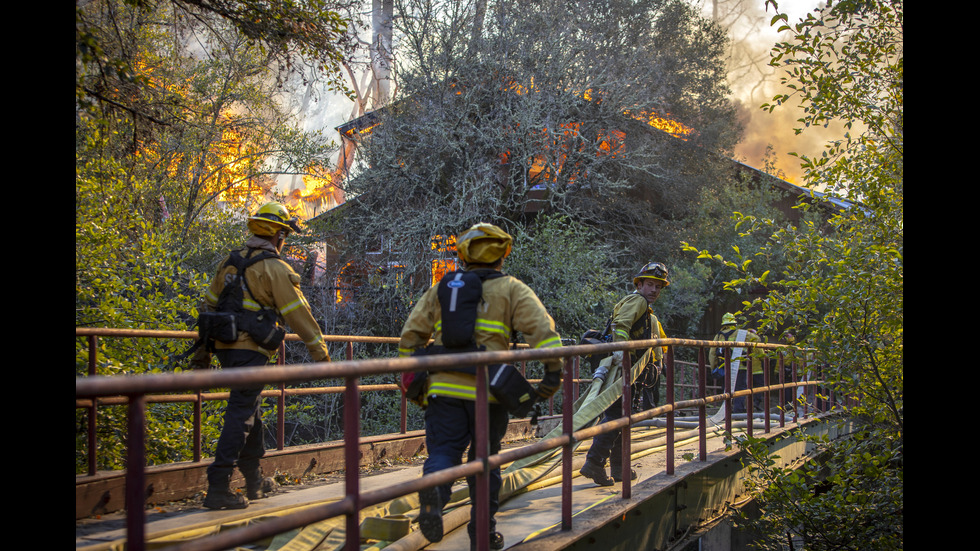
pixel 730 332
pixel 270 291
pixel 632 320
pixel 508 306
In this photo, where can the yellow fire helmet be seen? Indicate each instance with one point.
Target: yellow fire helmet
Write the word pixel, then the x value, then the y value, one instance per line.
pixel 270 218
pixel 652 270
pixel 728 319
pixel 483 244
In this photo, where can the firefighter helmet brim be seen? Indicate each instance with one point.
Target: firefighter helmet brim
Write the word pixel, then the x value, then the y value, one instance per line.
pixel 270 218
pixel 652 270
pixel 483 244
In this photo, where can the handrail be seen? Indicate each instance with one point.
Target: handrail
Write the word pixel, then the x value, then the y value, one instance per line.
pixel 116 385
pixel 92 333
pixel 198 397
pixel 137 387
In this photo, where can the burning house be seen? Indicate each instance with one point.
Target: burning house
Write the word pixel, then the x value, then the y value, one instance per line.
pixel 343 275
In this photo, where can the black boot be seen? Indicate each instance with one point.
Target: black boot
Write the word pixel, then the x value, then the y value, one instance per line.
pixel 597 473
pixel 220 496
pixel 496 541
pixel 430 514
pixel 257 486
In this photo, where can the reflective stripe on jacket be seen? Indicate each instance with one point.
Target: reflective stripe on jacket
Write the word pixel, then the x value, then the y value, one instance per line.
pixel 508 306
pixel 728 334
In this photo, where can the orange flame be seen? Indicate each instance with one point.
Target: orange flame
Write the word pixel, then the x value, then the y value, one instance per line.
pixel 668 125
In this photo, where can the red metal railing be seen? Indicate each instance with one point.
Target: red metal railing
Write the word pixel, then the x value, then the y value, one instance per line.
pixel 198 397
pixel 137 389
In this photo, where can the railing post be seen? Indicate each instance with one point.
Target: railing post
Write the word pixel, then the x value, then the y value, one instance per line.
pixel 281 402
pixel 352 461
pixel 403 414
pixel 198 416
pixel 627 411
pixel 782 391
pixel 482 421
pixel 576 372
pixel 568 427
pixel 729 400
pixel 671 391
pixel 702 409
pixel 135 474
pixel 795 376
pixel 806 390
pixel 750 399
pixel 767 396
pixel 93 410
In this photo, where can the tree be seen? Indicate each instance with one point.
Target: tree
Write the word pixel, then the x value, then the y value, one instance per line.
pixel 308 38
pixel 841 285
pixel 179 126
pixel 509 108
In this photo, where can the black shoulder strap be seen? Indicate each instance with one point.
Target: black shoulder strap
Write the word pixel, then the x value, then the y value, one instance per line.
pixel 460 293
pixel 231 292
pixel 645 324
pixel 242 263
pixel 608 330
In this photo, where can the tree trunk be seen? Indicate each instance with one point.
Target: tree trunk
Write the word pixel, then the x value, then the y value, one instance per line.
pixel 381 54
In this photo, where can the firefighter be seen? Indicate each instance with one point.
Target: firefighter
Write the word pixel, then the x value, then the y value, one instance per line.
pixel 632 320
pixel 508 306
pixel 716 356
pixel 270 283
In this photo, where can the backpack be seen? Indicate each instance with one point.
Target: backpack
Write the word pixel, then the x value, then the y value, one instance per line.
pixel 231 317
pixel 594 336
pixel 460 294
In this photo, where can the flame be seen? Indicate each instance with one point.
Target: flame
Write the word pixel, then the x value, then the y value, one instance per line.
pixel 234 166
pixel 663 122
pixel 319 189
pixel 441 267
pixel 444 244
pixel 673 127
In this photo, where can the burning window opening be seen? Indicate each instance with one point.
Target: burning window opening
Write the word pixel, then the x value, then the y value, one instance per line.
pixel 442 266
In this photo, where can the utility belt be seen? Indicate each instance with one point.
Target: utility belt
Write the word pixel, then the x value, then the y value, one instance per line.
pixel 262 326
pixel 506 383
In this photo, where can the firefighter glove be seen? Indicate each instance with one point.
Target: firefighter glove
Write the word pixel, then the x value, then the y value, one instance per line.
pixel 549 384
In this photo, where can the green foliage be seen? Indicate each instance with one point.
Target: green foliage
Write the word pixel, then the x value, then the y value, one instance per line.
pixel 716 224
pixel 178 126
pixel 845 63
pixel 849 496
pixel 309 38
pixel 127 275
pixel 839 285
pixel 565 263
